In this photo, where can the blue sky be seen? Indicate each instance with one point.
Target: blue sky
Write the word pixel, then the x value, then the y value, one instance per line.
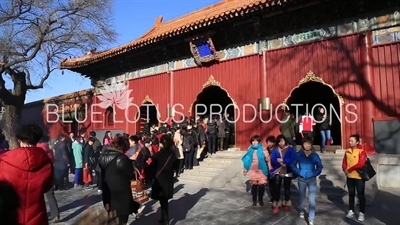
pixel 132 19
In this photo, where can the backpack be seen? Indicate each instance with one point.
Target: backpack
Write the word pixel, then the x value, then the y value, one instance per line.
pixel 187 143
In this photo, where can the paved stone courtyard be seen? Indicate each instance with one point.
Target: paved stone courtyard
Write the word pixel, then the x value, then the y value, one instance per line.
pixel 194 205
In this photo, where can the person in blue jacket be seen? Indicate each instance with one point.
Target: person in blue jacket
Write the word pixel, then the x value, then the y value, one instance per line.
pixel 282 156
pixel 307 166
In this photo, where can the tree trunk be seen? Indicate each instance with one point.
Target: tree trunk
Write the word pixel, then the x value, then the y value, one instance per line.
pixel 11 118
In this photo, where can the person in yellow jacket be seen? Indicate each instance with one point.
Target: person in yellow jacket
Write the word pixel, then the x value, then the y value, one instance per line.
pixel 354 159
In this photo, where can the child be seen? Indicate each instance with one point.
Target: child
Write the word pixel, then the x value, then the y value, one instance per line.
pixel 254 164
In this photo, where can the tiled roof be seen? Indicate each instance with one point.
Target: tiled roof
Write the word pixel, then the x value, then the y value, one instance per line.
pixel 218 12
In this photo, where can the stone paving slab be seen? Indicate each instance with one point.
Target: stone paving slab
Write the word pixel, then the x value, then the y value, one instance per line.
pixel 194 205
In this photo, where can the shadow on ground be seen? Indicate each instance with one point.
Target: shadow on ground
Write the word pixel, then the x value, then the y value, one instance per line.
pixel 179 208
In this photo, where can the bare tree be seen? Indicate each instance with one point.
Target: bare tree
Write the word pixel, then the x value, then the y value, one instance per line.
pixel 35 35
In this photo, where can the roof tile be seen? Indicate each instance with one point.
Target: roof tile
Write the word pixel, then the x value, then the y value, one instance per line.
pixel 181 24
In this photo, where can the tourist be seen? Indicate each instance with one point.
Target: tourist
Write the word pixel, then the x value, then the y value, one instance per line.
pixel 354 159
pixel 29 171
pixel 77 151
pixel 212 131
pixel 196 137
pixel 133 145
pixel 307 123
pixel 307 166
pixel 61 162
pixel 254 165
pixel 221 126
pixel 270 141
pixel 178 149
pixel 286 127
pixel 70 140
pixel 228 131
pixel 88 162
pixel 107 138
pixel 97 143
pixel 117 172
pixel 188 147
pixel 161 169
pixel 281 157
pixel 51 199
pixel 324 125
pixel 82 135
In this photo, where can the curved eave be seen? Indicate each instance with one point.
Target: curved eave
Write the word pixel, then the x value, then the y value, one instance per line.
pixel 160 33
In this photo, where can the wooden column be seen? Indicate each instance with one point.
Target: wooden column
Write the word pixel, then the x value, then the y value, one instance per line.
pixel 263 78
pixel 368 74
pixel 171 95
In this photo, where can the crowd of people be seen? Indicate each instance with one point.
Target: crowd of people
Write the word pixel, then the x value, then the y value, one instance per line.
pixel 278 163
pixel 155 156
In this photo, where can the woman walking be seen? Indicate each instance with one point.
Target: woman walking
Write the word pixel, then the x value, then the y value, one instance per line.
pixel 354 159
pixel 161 169
pixel 178 149
pixel 117 172
pixel 281 158
pixel 254 162
pixel 307 166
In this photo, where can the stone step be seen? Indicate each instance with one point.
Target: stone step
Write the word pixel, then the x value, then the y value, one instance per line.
pixel 197 176
pixel 219 160
pixel 207 169
pixel 207 164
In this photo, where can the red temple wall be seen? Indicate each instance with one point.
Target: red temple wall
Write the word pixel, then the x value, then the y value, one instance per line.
pixel 239 77
pixel 156 87
pixel 386 69
pixel 57 125
pixel 335 61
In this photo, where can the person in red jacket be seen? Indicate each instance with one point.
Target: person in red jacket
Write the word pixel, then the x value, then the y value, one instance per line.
pixel 29 171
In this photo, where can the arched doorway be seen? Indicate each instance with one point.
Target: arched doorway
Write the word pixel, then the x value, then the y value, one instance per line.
pixel 148 115
pixel 214 99
pixel 311 93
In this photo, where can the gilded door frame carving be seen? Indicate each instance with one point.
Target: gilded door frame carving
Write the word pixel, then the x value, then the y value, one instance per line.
pixel 311 77
pixel 147 99
pixel 212 82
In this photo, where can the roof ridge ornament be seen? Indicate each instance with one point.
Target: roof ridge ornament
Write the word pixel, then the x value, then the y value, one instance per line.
pixel 158 21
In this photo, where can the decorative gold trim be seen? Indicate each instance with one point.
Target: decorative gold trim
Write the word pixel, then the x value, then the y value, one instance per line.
pixel 311 77
pixel 212 82
pixel 147 99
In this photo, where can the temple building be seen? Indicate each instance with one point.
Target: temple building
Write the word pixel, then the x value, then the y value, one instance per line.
pixel 261 53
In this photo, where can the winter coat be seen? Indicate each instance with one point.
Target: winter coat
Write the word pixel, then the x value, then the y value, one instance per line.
pixel 212 127
pixel 88 156
pixel 163 184
pixel 116 175
pixel 30 172
pixel 77 149
pixel 178 143
pixel 307 168
pixel 286 127
pixel 61 155
pixel 221 129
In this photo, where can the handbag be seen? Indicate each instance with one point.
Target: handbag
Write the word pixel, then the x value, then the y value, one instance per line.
pixel 367 171
pixel 138 191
